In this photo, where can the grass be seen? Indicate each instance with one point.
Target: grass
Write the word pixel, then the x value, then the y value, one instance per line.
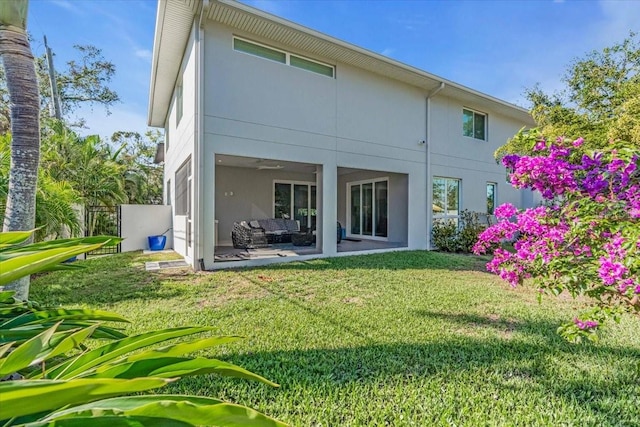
pixel 405 338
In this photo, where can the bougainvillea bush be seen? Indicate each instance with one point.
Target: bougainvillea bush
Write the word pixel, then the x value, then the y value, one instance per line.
pixel 585 238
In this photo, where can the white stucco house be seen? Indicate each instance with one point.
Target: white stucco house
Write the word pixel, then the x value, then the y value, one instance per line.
pixel 266 118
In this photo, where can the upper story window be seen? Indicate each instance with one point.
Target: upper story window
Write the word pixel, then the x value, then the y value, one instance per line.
pixel 178 101
pixel 474 124
pixel 282 57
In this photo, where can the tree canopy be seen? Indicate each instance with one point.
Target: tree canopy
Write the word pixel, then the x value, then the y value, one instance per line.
pixel 600 101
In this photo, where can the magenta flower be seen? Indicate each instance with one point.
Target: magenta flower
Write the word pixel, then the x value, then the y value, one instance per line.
pixel 578 142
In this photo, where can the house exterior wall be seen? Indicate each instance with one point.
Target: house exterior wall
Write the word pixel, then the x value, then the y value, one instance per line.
pixel 470 160
pixel 259 108
pixel 179 138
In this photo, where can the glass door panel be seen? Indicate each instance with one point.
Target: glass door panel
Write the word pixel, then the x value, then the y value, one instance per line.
pixel 381 208
pixel 313 204
pixel 367 209
pixel 301 204
pixel 282 199
pixel 355 209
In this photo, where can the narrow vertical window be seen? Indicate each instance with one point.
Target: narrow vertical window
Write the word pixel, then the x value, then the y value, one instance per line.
pixel 491 197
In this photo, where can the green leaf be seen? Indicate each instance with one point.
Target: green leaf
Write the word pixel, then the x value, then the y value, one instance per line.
pixel 181 348
pixel 57 314
pixel 174 367
pixel 21 265
pixel 26 353
pixel 5 348
pixel 26 397
pixel 24 333
pixel 111 421
pixel 108 352
pixel 12 238
pixel 6 297
pixel 194 410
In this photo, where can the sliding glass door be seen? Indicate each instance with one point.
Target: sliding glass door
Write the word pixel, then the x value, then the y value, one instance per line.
pixel 295 200
pixel 368 208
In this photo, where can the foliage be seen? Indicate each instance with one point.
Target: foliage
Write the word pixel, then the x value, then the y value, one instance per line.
pixel 400 338
pixel 586 239
pixel 451 237
pixel 601 100
pixel 89 387
pixel 84 81
pixel 55 199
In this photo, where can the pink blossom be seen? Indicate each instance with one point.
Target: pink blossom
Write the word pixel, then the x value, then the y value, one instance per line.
pixel 578 142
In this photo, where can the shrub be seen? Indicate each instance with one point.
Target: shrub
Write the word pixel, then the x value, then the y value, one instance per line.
pixel 451 237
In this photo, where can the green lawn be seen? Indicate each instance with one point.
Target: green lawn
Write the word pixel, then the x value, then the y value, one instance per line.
pixel 405 338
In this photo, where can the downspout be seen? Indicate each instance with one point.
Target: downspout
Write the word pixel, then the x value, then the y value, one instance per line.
pixel 199 139
pixel 429 209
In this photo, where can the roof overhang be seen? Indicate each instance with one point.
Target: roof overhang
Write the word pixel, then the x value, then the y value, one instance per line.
pixel 170 33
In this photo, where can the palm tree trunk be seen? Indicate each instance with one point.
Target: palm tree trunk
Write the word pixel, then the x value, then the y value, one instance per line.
pixel 22 84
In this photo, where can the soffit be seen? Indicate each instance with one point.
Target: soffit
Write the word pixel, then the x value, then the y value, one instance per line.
pixel 173 26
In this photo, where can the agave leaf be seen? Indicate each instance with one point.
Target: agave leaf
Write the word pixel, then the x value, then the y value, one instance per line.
pixel 174 367
pixel 26 354
pixel 113 350
pixel 193 410
pixel 56 314
pixel 25 397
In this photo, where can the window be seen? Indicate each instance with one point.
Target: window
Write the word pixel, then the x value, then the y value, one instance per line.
pixel 295 200
pixel 183 189
pixel 282 57
pixel 446 198
pixel 178 101
pixel 491 197
pixel 368 203
pixel 474 124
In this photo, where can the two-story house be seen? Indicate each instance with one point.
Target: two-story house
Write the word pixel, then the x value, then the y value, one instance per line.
pixel 266 118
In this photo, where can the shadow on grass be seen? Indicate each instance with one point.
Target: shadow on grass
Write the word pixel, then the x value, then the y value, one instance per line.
pixel 400 260
pixel 516 367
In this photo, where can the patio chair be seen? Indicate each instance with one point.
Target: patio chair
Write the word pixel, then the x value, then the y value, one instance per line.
pixel 245 237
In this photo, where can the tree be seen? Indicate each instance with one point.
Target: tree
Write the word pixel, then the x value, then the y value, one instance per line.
pixel 601 100
pixel 22 85
pixel 84 81
pixel 585 239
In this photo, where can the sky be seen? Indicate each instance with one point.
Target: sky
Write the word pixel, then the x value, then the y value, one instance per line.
pixel 500 48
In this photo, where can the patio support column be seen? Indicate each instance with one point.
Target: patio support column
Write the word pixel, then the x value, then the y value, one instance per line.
pixel 328 188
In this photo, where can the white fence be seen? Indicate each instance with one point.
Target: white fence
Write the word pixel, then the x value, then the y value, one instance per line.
pixel 138 222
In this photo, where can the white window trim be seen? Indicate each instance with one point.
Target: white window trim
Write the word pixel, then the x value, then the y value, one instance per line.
pixel 309 184
pixel 486 124
pixel 444 215
pixel 287 56
pixel 366 236
pixel 495 196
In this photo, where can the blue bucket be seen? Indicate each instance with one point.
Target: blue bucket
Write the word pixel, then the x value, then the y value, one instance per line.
pixel 156 243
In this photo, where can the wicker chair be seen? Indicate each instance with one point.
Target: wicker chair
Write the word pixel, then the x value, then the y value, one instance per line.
pixel 245 237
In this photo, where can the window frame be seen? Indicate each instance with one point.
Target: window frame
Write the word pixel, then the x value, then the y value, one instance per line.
pixel 287 59
pixel 183 198
pixel 360 183
pixel 292 183
pixel 494 197
pixel 475 113
pixel 445 215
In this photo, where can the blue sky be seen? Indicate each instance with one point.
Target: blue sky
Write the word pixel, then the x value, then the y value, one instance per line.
pixel 497 47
